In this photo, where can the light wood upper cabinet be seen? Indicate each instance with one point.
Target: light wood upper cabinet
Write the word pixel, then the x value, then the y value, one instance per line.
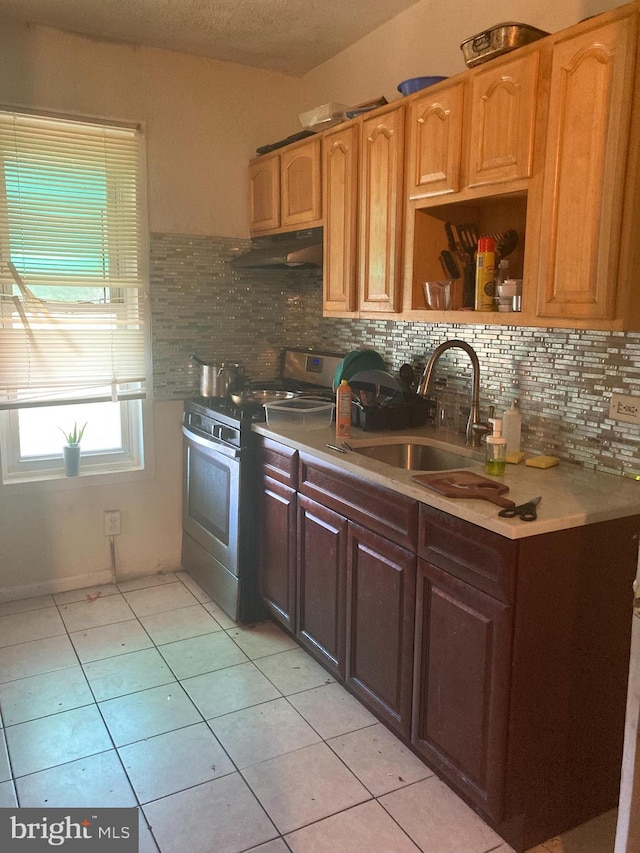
pixel 476 131
pixel 264 193
pixel 544 140
pixel 381 211
pixel 435 140
pixel 285 188
pixel 585 172
pixel 363 199
pixel 301 198
pixel 340 164
pixel 551 137
pixel 501 126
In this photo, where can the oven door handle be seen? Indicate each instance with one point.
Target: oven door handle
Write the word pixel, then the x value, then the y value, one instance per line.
pixel 211 443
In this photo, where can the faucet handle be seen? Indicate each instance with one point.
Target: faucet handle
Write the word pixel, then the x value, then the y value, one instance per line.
pixel 482 428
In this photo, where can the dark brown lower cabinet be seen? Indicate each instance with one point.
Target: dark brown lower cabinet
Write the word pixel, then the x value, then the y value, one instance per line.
pixel 278 503
pixel 381 586
pixel 278 551
pixel 356 603
pixel 461 687
pixel 503 662
pixel 322 577
pixel 521 670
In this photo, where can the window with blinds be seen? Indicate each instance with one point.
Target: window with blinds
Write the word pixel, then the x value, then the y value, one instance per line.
pixel 72 265
pixel 74 341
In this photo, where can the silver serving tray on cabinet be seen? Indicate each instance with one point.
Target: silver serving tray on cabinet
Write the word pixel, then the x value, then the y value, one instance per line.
pixel 498 40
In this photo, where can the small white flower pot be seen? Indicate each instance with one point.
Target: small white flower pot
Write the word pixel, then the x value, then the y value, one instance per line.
pixel 71 455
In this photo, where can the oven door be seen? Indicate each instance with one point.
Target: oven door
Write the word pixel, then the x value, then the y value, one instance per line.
pixel 211 496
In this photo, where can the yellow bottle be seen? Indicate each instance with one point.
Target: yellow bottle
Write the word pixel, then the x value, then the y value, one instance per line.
pixel 485 274
pixel 343 410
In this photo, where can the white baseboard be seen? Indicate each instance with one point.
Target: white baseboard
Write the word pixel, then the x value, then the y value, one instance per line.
pixel 55 585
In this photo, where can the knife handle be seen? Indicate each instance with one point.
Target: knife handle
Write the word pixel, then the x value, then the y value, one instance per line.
pixel 449 264
pixel 469 287
pixel 451 240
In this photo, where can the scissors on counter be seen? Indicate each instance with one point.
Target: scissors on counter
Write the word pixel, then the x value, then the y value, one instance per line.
pixel 526 511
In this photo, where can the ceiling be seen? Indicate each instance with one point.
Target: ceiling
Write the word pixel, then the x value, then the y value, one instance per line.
pixel 291 36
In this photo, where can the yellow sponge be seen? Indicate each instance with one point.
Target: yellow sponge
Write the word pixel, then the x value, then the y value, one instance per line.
pixel 515 456
pixel 542 461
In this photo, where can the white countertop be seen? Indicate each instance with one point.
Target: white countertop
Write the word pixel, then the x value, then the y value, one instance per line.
pixel 572 496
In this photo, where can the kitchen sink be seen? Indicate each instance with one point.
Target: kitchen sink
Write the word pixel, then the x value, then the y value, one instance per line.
pixel 414 456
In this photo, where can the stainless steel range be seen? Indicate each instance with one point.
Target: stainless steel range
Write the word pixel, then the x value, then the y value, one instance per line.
pixel 220 488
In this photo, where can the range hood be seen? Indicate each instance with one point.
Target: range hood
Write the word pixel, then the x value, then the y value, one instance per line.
pixel 283 251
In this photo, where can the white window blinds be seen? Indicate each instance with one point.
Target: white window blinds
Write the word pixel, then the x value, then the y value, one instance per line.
pixel 72 272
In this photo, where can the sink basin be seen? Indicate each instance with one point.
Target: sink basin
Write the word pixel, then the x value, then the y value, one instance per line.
pixel 415 457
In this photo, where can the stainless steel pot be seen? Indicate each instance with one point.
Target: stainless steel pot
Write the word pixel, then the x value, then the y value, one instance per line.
pixel 219 380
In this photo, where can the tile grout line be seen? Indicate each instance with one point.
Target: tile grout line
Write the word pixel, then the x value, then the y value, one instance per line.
pixel 140 807
pixel 155 646
pixel 179 681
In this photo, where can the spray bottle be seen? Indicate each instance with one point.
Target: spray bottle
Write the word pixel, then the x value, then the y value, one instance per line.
pixel 512 427
pixel 485 273
pixel 343 410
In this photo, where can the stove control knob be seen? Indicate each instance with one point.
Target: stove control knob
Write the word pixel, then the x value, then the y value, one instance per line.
pixel 226 434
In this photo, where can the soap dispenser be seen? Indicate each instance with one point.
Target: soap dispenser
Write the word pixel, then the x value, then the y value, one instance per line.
pixel 496 458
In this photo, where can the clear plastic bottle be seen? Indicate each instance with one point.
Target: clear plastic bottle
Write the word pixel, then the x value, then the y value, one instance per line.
pixel 512 427
pixel 496 458
pixel 343 410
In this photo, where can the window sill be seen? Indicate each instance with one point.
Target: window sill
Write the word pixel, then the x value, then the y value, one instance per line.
pixel 56 481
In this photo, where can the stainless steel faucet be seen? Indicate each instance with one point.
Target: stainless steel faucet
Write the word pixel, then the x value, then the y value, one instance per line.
pixel 474 426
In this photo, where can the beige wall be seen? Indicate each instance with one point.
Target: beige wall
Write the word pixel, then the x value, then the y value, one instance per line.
pixel 203 120
pixel 425 39
pixel 52 539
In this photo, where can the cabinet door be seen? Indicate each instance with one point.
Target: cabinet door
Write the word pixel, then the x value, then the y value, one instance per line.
pixel 381 584
pixel 322 551
pixel 462 664
pixel 585 168
pixel 502 121
pixel 340 161
pixel 381 211
pixel 278 551
pixel 435 140
pixel 301 200
pixel 264 193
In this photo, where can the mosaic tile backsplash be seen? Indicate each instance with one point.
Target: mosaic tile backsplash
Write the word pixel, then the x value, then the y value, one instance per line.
pixel 563 378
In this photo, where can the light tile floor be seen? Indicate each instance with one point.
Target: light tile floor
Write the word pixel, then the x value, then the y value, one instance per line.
pixel 230 738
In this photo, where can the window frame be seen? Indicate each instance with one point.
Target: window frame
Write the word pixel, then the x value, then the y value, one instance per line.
pixel 135 457
pixel 131 457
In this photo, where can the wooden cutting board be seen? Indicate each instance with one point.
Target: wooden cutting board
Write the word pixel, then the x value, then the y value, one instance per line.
pixel 464 484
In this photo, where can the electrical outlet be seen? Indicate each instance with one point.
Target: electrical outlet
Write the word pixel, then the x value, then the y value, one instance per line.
pixel 625 408
pixel 112 522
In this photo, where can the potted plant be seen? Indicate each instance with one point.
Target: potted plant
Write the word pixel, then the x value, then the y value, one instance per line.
pixel 71 451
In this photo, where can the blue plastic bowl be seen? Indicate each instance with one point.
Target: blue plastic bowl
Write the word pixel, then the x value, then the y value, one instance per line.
pixel 414 84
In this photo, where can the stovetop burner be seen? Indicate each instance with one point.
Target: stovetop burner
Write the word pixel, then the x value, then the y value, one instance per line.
pixel 303 372
pixel 224 411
